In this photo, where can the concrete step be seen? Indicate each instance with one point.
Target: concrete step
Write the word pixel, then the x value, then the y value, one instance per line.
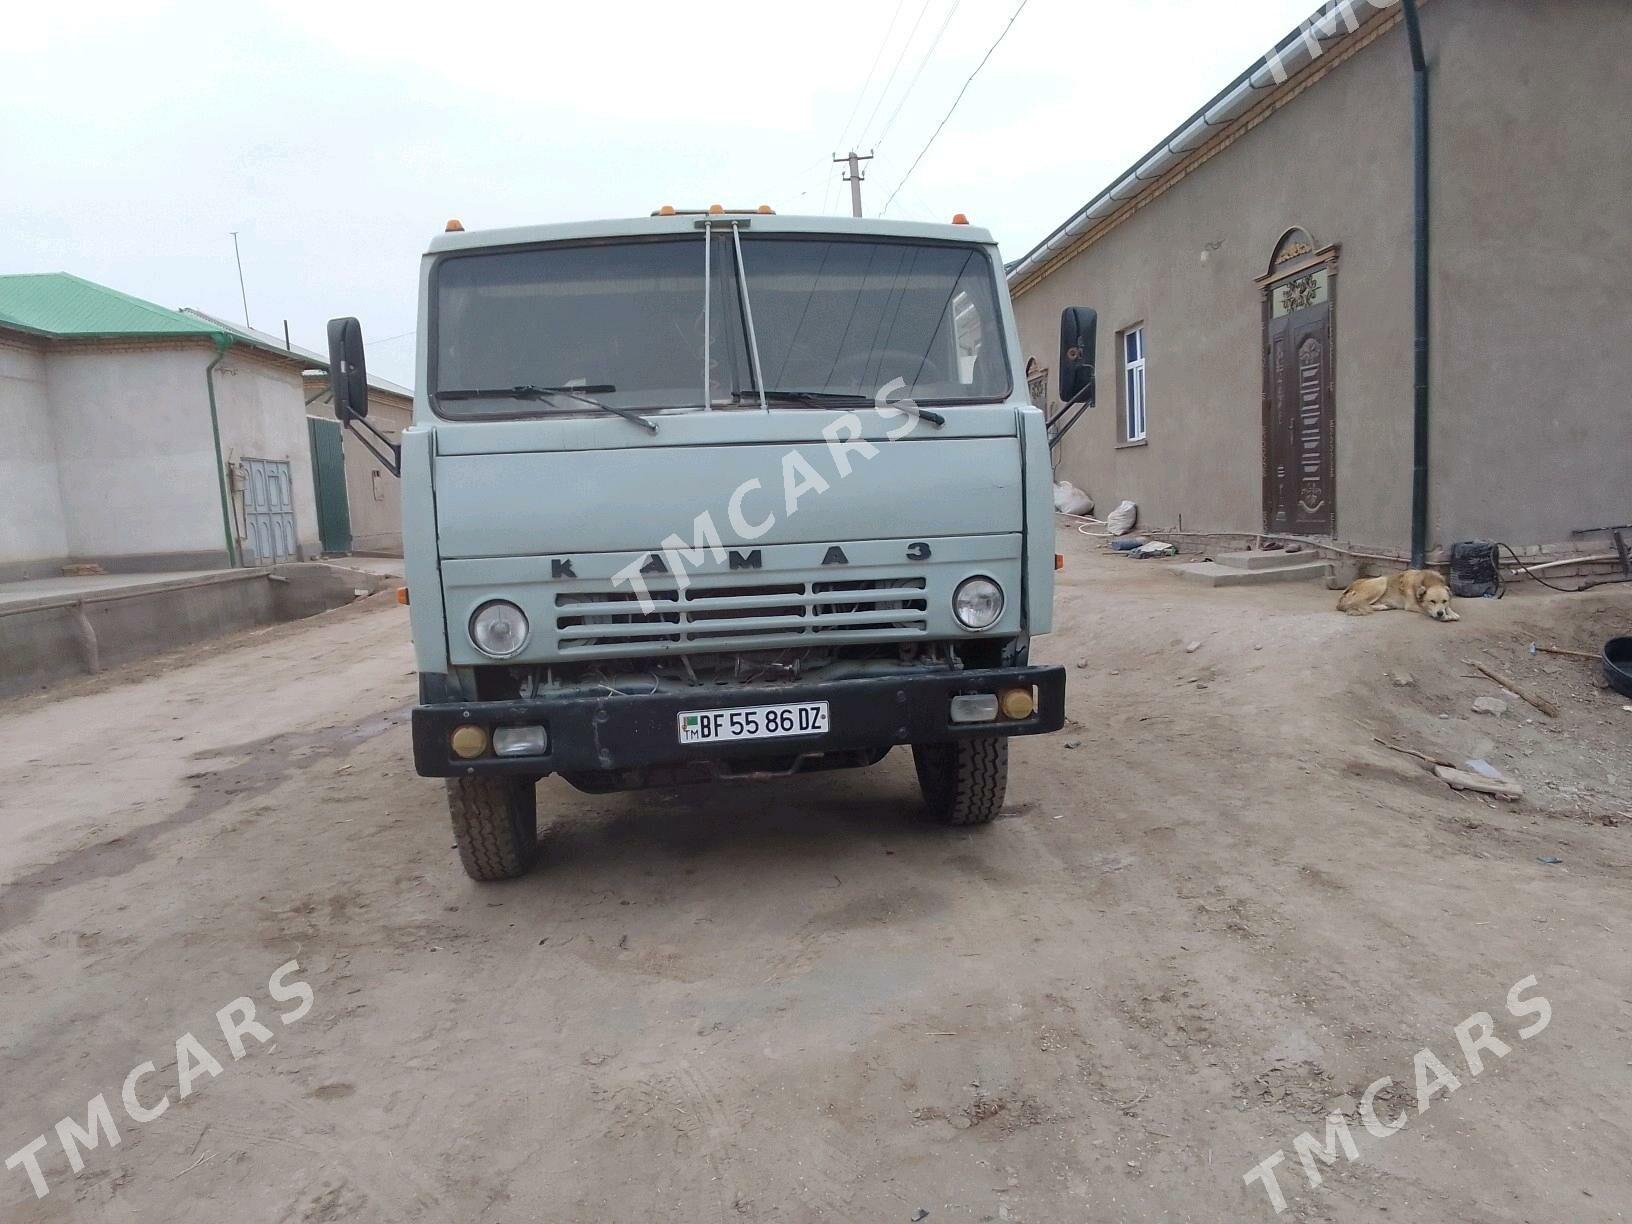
pixel 1257 559
pixel 52 629
pixel 1212 574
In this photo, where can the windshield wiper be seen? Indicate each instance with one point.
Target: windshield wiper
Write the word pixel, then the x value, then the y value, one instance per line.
pixel 830 399
pixel 530 391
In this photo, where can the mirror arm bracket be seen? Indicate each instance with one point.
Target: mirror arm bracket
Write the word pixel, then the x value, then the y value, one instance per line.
pixel 393 462
pixel 1081 399
pixel 1054 439
pixel 1081 403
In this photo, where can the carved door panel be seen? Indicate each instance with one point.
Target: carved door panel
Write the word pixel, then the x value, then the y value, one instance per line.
pixel 1300 409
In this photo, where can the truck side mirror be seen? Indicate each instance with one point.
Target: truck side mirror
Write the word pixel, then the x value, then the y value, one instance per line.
pixel 1079 333
pixel 348 374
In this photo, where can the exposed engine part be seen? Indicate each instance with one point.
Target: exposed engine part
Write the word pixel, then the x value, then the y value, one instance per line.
pixel 658 673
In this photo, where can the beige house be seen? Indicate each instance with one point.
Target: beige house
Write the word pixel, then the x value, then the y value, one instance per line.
pixel 1254 282
pixel 139 438
pixel 372 492
pixel 365 515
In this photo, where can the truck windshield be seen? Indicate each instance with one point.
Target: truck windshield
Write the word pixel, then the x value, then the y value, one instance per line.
pixel 833 316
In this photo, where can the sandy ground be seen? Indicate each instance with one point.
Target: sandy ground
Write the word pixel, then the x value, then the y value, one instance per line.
pixel 1218 914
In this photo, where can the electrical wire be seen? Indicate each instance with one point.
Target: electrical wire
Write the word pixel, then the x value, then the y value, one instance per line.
pixel 922 64
pixel 1082 527
pixel 1563 561
pixel 1553 586
pixel 928 209
pixel 795 199
pixel 803 176
pixel 900 58
pixel 944 118
pixel 877 55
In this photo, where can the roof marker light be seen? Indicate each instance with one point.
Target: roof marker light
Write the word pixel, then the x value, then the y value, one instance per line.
pixel 455 226
pixel 666 211
pixel 959 219
pixel 715 210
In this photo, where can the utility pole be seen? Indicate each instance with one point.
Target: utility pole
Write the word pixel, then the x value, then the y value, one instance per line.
pixel 242 294
pixel 854 160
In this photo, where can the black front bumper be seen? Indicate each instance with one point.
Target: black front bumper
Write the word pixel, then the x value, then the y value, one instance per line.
pixel 599 732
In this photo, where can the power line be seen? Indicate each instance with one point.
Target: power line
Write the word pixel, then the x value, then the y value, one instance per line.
pixel 1001 36
pixel 827 193
pixel 890 80
pixel 803 175
pixel 877 55
pixel 811 186
pixel 924 204
pixel 922 64
pixel 786 195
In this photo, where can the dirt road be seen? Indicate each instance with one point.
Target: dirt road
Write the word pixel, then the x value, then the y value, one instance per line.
pixel 1214 910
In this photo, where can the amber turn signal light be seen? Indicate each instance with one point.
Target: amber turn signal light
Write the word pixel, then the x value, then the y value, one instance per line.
pixel 1017 703
pixel 1059 561
pixel 468 741
pixel 402 596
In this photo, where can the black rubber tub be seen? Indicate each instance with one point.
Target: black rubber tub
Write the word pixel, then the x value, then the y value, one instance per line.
pixel 1618 664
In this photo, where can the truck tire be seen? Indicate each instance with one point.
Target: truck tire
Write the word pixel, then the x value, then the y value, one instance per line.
pixel 963 781
pixel 495 822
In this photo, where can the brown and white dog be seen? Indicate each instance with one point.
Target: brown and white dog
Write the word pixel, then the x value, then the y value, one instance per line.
pixel 1415 591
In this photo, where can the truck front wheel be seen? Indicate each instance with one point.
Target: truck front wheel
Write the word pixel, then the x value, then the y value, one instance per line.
pixel 495 822
pixel 963 781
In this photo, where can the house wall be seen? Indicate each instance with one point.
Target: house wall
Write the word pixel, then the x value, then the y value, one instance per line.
pixel 262 409
pixel 135 461
pixel 1532 433
pixel 33 534
pixel 1532 312
pixel 375 494
pixel 1336 162
pixel 109 456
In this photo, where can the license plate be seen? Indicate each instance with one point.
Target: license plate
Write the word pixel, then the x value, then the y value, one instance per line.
pixel 753 722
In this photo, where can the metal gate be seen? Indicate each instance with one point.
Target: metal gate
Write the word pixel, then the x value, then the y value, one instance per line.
pixel 329 479
pixel 269 512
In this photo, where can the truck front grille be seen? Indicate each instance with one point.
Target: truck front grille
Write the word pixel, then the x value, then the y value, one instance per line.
pixel 740 615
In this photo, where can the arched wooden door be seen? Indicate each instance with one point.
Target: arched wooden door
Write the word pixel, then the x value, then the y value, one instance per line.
pixel 1300 388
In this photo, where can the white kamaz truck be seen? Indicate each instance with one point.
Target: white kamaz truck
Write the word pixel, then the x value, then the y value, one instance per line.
pixel 718 494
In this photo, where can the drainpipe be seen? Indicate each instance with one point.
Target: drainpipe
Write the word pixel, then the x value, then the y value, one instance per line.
pixel 222 343
pixel 1419 151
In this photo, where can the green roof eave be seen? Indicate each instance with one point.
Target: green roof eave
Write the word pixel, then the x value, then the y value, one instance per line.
pixel 63 306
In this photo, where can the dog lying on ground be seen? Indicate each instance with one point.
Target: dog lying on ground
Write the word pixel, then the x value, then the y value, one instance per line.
pixel 1415 591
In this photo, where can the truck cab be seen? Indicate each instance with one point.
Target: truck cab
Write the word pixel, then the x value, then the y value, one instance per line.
pixel 717 495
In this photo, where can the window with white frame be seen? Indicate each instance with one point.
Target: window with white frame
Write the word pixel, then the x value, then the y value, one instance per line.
pixel 1133 384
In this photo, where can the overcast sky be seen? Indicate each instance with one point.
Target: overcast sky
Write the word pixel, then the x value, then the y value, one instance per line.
pixel 337 136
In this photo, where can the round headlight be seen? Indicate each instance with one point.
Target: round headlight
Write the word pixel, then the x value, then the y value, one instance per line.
pixel 499 629
pixel 977 603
